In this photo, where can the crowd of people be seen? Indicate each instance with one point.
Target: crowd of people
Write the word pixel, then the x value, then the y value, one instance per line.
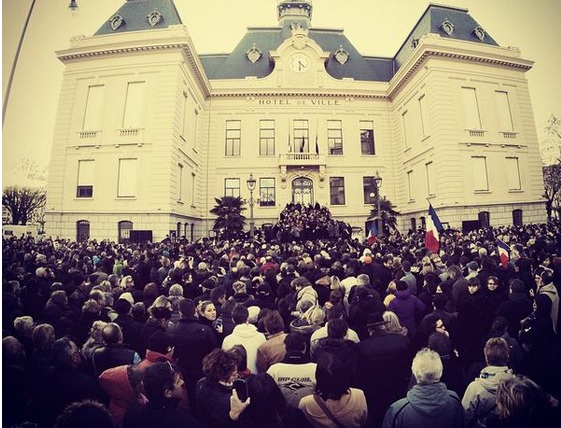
pixel 309 332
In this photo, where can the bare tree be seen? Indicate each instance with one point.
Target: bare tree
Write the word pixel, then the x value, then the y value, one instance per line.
pixel 552 186
pixel 23 202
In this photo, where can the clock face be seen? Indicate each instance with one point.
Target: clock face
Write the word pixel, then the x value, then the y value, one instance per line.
pixel 299 63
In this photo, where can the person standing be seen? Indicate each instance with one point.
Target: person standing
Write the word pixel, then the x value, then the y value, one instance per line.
pixel 429 403
pixel 245 334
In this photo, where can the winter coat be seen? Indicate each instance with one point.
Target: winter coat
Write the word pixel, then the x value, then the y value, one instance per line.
pixel 116 384
pixel 213 403
pixel 248 336
pixel 479 398
pixel 306 298
pixel 406 306
pixel 429 405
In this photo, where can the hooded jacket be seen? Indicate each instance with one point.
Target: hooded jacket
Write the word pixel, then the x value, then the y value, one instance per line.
pixel 430 405
pixel 479 398
pixel 248 336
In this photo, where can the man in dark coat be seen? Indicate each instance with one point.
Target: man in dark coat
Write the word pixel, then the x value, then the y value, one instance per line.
pixel 63 385
pixel 383 359
pixel 114 353
pixel 193 340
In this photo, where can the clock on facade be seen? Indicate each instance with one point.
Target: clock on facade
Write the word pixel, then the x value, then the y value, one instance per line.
pixel 299 63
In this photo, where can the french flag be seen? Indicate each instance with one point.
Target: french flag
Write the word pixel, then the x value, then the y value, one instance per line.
pixel 434 229
pixel 372 233
pixel 504 253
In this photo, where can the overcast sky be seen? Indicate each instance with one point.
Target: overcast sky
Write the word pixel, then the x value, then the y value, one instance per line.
pixel 375 27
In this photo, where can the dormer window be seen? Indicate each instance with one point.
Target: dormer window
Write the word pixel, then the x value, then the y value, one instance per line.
pixel 341 55
pixel 154 18
pixel 253 54
pixel 479 33
pixel 447 27
pixel 116 21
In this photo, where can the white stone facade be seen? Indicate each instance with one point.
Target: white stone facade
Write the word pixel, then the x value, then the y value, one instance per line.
pixel 163 173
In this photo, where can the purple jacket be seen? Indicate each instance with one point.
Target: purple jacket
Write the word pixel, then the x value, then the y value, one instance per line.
pixel 405 306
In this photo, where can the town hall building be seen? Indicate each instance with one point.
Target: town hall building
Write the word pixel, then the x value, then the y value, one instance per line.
pixel 149 132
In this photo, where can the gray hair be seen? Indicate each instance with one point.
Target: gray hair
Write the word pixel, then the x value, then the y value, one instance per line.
pixel 427 367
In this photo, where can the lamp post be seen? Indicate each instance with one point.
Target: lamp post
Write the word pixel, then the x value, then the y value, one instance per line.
pixel 72 6
pixel 378 184
pixel 251 186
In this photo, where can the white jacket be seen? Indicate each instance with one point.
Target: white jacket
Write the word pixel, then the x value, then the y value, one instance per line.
pixel 248 336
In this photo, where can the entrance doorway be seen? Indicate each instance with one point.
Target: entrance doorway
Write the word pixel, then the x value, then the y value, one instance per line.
pixel 303 191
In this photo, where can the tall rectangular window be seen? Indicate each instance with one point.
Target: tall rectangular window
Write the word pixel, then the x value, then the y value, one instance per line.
pixel 134 105
pixel 369 190
pixel 193 188
pixel 267 192
pixel 233 137
pixel 430 179
pixel 195 127
pixel 504 111
pixel 267 137
pixel 407 139
pixel 424 116
pixel 180 185
pixel 367 137
pixel 127 178
pixel 513 173
pixel 301 136
pixel 337 190
pixel 480 177
pixel 471 108
pixel 410 185
pixel 232 187
pixel 185 116
pixel 84 188
pixel 335 137
pixel 94 103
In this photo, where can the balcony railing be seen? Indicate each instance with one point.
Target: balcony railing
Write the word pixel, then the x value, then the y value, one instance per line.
pixel 301 159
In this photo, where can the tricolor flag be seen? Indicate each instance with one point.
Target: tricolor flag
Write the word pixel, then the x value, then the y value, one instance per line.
pixel 504 252
pixel 372 232
pixel 434 229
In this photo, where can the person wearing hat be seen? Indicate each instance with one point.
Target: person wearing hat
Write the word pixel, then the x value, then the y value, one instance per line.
pixel 383 359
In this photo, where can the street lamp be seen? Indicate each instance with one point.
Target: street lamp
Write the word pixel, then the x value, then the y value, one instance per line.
pixel 251 186
pixel 378 184
pixel 73 6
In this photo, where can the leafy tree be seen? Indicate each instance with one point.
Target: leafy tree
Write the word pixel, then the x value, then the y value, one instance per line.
pixel 388 214
pixel 229 221
pixel 23 202
pixel 552 186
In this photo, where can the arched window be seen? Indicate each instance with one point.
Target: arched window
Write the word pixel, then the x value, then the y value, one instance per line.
pixel 423 222
pixel 82 230
pixel 413 224
pixel 302 191
pixel 125 228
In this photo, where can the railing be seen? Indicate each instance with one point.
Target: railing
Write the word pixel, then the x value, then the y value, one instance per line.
pixel 476 133
pixel 87 134
pixel 509 135
pixel 301 159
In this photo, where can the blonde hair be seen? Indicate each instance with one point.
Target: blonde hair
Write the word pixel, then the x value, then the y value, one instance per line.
pixel 335 282
pixel 392 323
pixel 160 302
pixel 314 315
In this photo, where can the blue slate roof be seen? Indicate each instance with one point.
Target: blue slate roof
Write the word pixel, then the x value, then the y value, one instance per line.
pixel 135 16
pixel 236 65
